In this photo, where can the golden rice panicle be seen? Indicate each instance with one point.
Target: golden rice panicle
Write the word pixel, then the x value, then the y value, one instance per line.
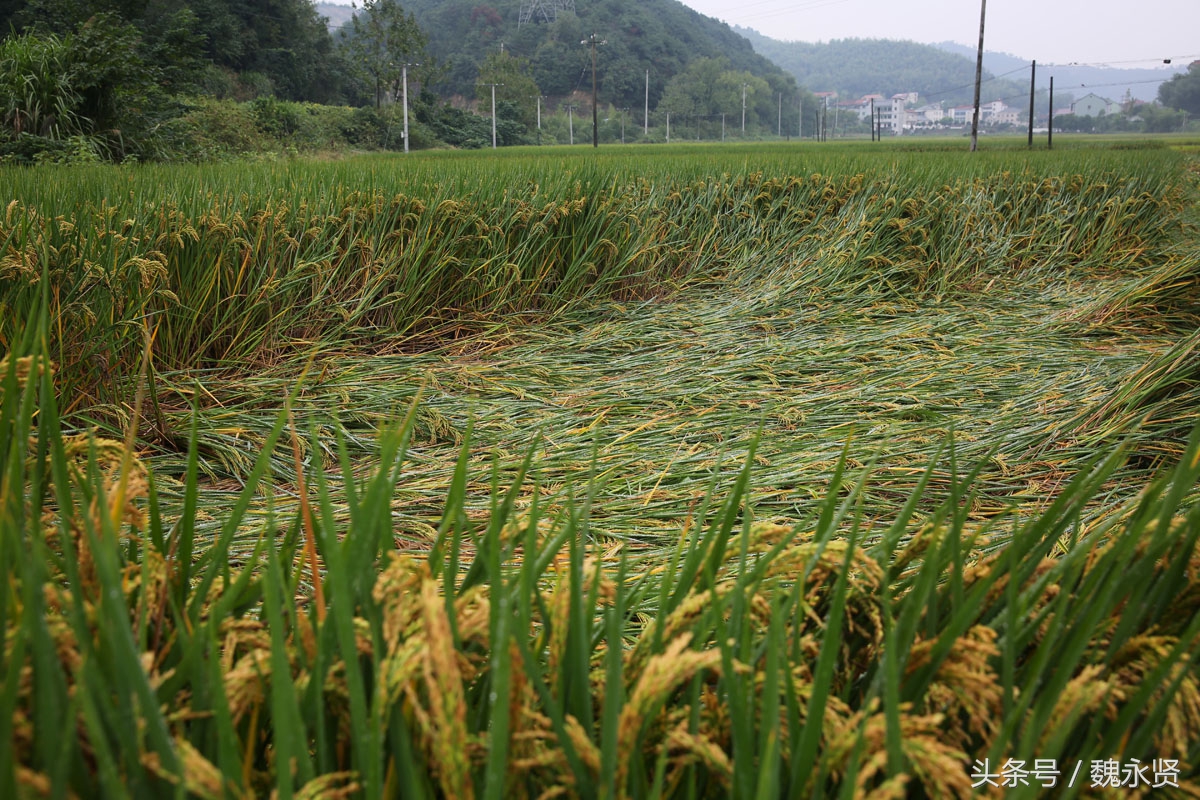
pixel 396 591
pixel 534 752
pixel 25 366
pixel 965 687
pixel 245 684
pixel 1133 663
pixel 663 674
pixel 690 609
pixel 588 752
pixel 472 617
pixel 863 615
pixel 1087 694
pixel 36 782
pixel 451 744
pixel 559 603
pixel 201 777
pixel 938 765
pixel 332 786
pixel 687 749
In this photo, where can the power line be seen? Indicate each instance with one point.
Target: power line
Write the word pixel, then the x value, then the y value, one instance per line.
pixel 813 4
pixel 1102 64
pixel 1118 83
pixel 803 6
pixel 970 85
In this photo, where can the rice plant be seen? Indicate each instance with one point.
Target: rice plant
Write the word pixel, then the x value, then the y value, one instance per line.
pixel 847 477
pixel 521 656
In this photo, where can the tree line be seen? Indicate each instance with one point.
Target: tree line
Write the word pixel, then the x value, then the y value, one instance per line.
pixel 194 79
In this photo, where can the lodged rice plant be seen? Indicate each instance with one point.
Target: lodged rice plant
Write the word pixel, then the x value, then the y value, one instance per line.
pixel 520 656
pixel 232 276
pixel 725 473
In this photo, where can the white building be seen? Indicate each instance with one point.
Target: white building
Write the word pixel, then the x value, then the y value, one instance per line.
pixel 962 115
pixel 894 114
pixel 1093 105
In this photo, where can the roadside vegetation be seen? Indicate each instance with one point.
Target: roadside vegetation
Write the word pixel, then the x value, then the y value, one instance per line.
pixel 780 471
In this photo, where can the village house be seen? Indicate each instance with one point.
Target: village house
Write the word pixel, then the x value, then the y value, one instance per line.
pixel 863 105
pixel 893 115
pixel 961 114
pixel 900 112
pixel 1003 116
pixel 1093 105
pixel 927 115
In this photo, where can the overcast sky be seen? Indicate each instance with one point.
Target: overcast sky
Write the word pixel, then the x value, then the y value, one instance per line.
pixel 1116 32
pixel 1051 31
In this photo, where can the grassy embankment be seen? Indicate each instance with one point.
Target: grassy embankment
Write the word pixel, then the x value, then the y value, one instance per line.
pixel 605 475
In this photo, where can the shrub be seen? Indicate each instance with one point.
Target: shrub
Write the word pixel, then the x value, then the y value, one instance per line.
pixel 213 129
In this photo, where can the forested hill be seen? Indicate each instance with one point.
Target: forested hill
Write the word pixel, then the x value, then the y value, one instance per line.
pixel 854 67
pixel 662 36
pixel 943 72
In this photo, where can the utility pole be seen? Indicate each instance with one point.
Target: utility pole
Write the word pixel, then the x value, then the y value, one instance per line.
pixel 872 119
pixel 744 85
pixel 1050 122
pixel 624 111
pixel 493 116
pixel 1032 78
pixel 646 115
pixel 404 84
pixel 978 78
pixel 539 118
pixel 493 85
pixel 593 41
pixel 571 123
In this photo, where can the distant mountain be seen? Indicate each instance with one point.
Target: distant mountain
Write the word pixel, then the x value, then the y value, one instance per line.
pixel 1108 82
pixel 855 67
pixel 944 72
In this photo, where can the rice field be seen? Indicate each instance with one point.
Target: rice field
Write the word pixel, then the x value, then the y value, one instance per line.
pixel 773 471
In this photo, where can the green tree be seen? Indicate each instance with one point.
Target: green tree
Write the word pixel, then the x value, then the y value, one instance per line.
pixel 1183 91
pixel 92 82
pixel 382 38
pixel 707 88
pixel 1158 119
pixel 116 84
pixel 283 42
pixel 517 86
pixel 36 94
pixel 453 125
pixel 698 89
pixel 758 96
